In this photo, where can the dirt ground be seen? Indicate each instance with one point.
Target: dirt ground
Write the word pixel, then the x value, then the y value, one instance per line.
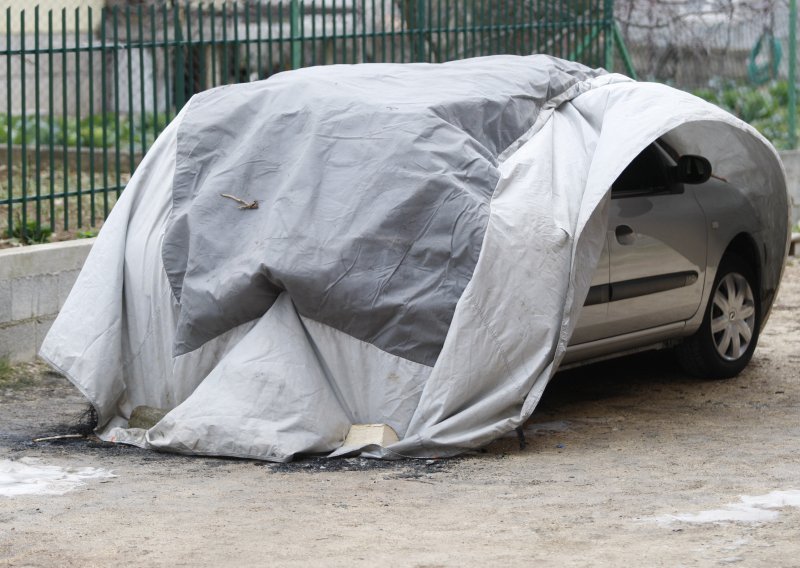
pixel 627 462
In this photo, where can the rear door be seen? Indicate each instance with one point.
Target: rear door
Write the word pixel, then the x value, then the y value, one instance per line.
pixel 657 246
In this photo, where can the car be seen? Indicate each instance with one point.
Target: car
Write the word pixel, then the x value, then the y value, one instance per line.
pixel 410 246
pixel 680 268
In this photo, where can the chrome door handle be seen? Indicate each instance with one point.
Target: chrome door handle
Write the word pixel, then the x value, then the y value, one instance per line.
pixel 625 235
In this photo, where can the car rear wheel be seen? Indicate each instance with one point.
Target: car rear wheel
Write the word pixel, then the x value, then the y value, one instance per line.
pixel 725 341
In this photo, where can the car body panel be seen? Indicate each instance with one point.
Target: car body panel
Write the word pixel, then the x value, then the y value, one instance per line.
pixel 680 233
pixel 658 264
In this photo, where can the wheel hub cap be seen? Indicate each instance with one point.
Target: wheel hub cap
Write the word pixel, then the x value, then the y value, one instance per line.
pixel 733 317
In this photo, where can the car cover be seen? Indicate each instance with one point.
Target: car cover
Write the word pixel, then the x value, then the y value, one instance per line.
pixel 398 244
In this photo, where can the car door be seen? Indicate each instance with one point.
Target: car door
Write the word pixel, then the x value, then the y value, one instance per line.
pixel 656 244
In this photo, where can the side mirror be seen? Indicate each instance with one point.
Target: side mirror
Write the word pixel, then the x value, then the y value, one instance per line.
pixel 693 169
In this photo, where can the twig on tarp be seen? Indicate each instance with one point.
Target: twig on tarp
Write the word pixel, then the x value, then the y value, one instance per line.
pixel 62 437
pixel 244 204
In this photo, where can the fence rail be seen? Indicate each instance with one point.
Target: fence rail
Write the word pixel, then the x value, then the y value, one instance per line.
pixel 87 91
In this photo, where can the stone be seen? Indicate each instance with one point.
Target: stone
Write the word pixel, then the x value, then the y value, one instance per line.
pixel 361 435
pixel 145 417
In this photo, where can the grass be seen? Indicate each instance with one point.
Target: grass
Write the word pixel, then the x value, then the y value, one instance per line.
pixel 5 369
pixel 15 376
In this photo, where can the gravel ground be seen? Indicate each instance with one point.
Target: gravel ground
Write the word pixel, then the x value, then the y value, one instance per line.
pixel 626 462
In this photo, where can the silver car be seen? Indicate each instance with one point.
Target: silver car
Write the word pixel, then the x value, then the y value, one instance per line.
pixel 681 268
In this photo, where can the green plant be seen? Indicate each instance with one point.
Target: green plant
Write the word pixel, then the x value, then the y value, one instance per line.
pixel 6 370
pixel 15 376
pixel 765 107
pixel 31 234
pixel 98 131
pixel 87 234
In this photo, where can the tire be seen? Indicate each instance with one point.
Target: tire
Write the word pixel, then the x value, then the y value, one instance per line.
pixel 725 341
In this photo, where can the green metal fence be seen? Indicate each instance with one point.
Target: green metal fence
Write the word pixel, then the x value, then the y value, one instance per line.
pixel 87 90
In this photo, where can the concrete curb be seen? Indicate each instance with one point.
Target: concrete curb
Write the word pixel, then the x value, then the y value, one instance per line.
pixel 34 283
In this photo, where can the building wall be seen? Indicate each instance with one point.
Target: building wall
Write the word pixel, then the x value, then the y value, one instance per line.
pixel 68 6
pixel 70 72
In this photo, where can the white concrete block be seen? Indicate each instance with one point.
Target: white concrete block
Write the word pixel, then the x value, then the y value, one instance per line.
pixel 18 342
pixel 5 301
pixel 42 326
pixel 51 258
pixel 361 435
pixel 66 280
pixel 23 299
pixel 34 283
pixel 34 296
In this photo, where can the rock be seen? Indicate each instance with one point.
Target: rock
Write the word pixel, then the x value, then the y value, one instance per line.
pixel 146 417
pixel 361 435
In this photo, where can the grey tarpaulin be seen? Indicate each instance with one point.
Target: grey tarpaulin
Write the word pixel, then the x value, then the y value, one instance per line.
pixel 423 240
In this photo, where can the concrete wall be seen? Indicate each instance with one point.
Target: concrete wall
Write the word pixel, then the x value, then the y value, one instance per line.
pixel 791 161
pixel 34 283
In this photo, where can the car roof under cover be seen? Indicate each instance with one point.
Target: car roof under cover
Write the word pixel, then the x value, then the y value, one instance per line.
pixel 373 184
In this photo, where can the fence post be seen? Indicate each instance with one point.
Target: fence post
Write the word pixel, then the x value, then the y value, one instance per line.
pixel 297 54
pixel 180 66
pixel 608 35
pixel 623 51
pixel 792 73
pixel 420 27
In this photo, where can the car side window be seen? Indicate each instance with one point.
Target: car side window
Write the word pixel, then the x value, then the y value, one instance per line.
pixel 649 172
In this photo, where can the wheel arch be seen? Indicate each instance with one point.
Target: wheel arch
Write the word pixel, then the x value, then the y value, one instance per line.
pixel 744 246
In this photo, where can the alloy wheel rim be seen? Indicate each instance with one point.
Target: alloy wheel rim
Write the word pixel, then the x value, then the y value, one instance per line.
pixel 733 317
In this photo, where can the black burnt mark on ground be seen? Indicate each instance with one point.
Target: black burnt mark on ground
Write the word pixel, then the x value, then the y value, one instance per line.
pixel 400 469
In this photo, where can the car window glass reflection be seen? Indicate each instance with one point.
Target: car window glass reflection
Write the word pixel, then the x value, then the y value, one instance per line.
pixel 648 172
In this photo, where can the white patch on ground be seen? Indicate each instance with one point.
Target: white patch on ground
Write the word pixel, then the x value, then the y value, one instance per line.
pixel 27 476
pixel 750 509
